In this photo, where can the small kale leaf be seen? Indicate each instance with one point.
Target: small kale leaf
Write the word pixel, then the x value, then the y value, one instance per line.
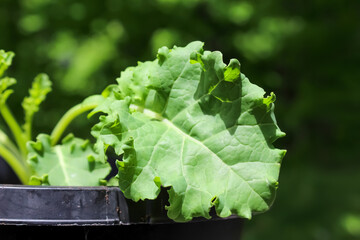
pixel 5 83
pixel 74 163
pixel 41 86
pixel 5 61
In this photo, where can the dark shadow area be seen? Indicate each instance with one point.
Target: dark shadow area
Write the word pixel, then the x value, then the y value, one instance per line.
pixel 7 176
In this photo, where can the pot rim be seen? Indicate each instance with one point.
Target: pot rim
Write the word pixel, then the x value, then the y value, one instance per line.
pixel 81 206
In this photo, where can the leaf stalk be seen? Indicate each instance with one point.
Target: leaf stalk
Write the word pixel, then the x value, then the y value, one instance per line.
pixel 68 117
pixel 15 128
pixel 19 168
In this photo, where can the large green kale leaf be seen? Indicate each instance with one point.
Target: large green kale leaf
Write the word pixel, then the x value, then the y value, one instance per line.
pixel 189 122
pixel 74 163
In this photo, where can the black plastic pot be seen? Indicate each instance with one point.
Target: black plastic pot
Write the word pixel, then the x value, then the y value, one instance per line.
pixel 36 212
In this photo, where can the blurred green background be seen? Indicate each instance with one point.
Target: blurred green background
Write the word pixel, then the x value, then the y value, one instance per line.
pixel 307 52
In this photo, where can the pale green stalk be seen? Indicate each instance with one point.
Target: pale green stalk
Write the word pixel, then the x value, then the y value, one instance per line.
pixel 69 116
pixel 15 128
pixel 18 167
pixel 4 140
pixel 28 129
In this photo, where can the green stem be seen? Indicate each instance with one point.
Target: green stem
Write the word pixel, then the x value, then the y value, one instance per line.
pixel 69 116
pixel 28 129
pixel 20 170
pixel 15 128
pixel 4 140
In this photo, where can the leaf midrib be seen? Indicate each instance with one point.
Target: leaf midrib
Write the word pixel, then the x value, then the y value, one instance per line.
pixel 62 164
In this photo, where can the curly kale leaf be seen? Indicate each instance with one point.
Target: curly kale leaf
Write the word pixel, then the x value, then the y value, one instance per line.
pixel 191 123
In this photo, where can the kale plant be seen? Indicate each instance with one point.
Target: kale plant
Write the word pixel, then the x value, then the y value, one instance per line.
pixel 185 121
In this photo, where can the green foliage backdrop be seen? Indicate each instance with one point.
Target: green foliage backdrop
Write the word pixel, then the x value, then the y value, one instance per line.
pixel 307 52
